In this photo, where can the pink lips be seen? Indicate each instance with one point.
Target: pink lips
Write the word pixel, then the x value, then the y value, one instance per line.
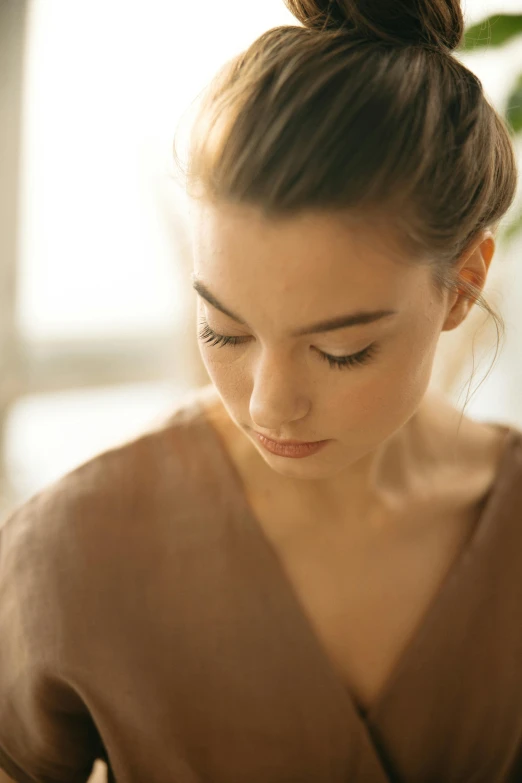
pixel 289 448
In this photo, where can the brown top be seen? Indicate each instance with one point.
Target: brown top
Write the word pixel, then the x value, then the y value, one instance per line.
pixel 146 620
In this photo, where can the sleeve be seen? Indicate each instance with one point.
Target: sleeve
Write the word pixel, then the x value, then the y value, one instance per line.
pixel 46 732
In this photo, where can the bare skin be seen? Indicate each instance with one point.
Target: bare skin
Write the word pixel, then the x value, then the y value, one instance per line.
pixel 374 569
pixel 367 528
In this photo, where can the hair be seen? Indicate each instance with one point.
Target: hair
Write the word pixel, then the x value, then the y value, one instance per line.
pixel 362 110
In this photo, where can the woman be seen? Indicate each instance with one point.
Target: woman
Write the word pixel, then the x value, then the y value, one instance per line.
pixel 210 602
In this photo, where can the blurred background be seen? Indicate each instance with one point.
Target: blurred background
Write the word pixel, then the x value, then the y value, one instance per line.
pixel 97 315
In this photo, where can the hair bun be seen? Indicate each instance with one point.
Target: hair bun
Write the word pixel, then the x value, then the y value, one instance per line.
pixel 437 23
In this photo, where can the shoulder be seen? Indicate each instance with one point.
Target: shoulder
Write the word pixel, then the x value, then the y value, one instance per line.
pixel 113 502
pixel 89 555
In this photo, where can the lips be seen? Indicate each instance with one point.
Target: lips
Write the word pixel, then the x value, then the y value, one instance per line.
pixel 290 450
pixel 288 442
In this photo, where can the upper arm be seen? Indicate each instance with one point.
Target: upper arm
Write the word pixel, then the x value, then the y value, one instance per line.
pixel 46 732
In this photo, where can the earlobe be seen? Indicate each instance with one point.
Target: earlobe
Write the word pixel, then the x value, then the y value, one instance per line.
pixel 462 303
pixel 475 267
pixel 456 315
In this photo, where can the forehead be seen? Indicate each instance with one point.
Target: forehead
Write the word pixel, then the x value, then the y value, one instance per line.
pixel 318 254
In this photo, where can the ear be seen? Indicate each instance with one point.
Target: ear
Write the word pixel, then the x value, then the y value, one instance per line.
pixel 472 267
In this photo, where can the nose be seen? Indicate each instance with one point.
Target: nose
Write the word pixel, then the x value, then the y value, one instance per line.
pixel 278 395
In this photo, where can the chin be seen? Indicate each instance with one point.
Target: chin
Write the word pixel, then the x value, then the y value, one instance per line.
pixel 307 468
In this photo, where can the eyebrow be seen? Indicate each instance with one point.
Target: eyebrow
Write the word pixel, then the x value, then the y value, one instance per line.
pixel 340 322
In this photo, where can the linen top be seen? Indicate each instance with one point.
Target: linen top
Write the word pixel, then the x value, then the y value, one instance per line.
pixel 146 620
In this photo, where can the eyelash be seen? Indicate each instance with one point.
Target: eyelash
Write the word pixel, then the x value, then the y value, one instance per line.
pixel 208 335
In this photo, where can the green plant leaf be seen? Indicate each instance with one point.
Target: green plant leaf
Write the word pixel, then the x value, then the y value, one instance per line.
pixel 491 32
pixel 510 230
pixel 513 110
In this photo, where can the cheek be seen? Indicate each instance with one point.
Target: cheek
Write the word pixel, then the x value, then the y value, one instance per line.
pixel 385 399
pixel 226 376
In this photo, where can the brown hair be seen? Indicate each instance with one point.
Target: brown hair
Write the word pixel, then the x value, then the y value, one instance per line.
pixel 365 111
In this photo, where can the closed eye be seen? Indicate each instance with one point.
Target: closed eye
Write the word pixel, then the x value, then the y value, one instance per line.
pixel 209 336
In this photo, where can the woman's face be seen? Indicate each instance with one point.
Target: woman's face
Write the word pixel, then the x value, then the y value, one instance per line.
pixel 279 278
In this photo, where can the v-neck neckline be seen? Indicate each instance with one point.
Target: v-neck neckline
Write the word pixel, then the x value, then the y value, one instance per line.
pixel 367 717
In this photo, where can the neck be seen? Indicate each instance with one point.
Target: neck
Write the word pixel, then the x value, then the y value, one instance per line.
pixel 393 477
